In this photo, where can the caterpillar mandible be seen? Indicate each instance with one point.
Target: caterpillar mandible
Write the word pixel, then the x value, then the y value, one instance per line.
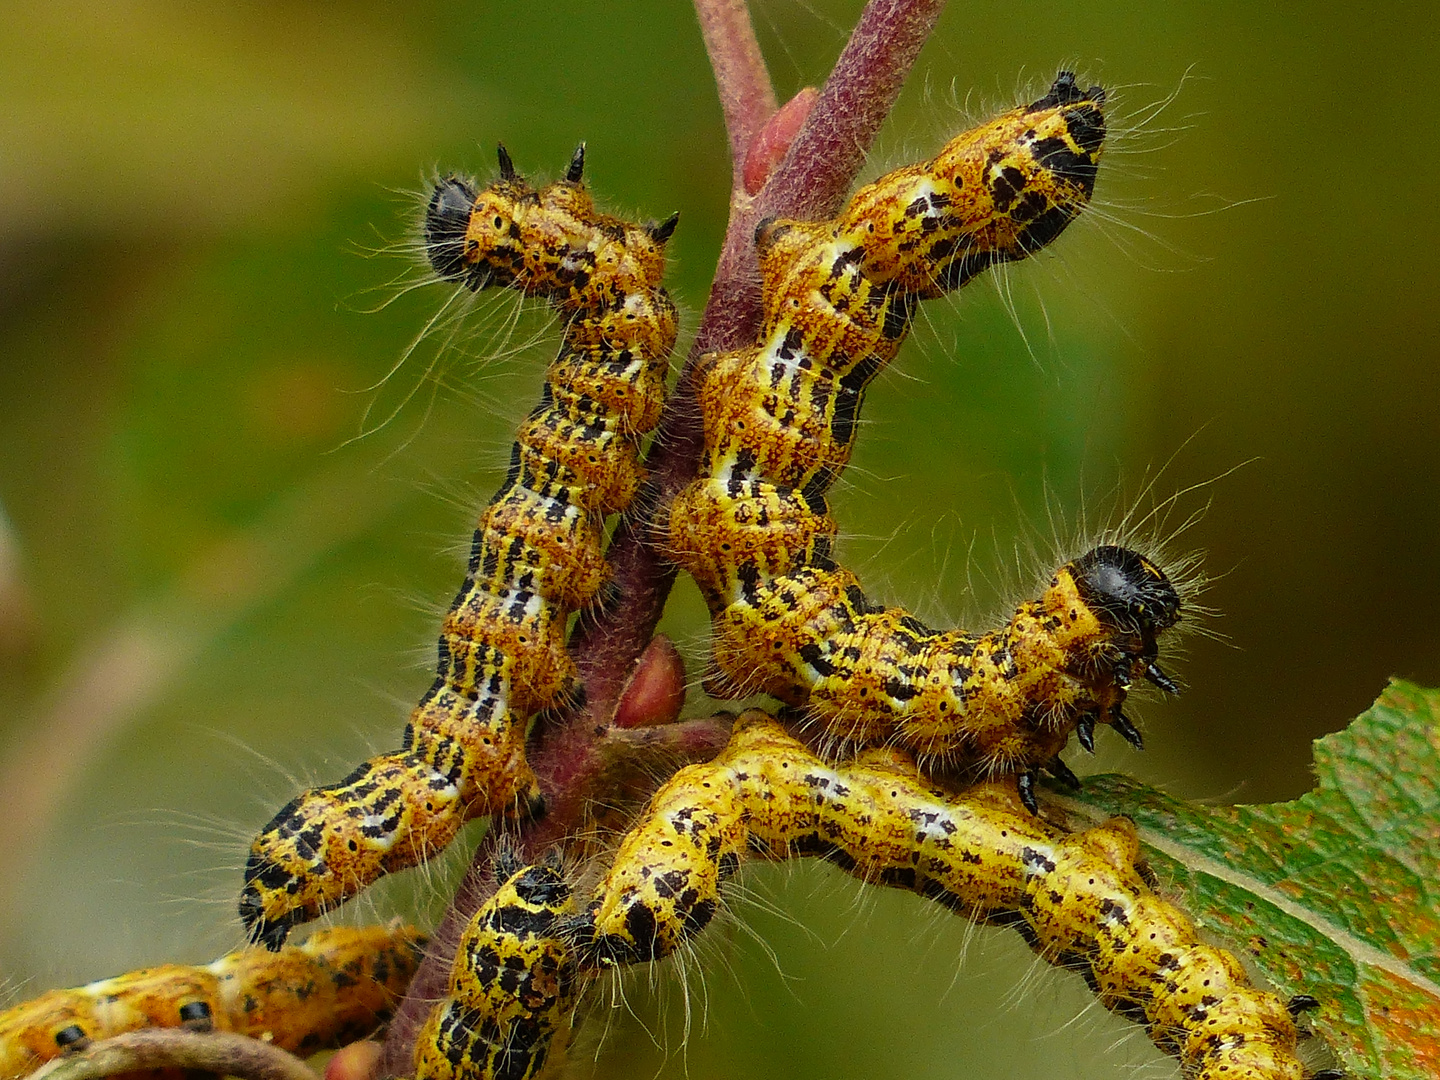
pixel 780 420
pixel 339 986
pixel 513 985
pixel 536 556
pixel 1078 898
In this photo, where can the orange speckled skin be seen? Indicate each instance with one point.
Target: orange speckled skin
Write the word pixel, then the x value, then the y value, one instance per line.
pixel 339 986
pixel 1077 897
pixel 536 557
pixel 755 530
pixel 512 988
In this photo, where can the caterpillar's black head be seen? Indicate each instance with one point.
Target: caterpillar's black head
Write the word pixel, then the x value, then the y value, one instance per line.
pixel 541 885
pixel 447 219
pixel 1127 591
pixel 1065 90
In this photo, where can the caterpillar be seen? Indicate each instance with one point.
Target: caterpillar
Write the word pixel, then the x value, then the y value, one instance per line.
pixel 536 556
pixel 339 986
pixel 1078 898
pixel 513 985
pixel 755 531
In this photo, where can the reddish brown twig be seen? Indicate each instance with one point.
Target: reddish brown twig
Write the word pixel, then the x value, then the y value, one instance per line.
pixel 222 1053
pixel 575 753
pixel 741 78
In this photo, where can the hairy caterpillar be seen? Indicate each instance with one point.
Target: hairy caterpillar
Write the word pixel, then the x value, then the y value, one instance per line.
pixel 339 986
pixel 780 420
pixel 513 985
pixel 536 556
pixel 1078 898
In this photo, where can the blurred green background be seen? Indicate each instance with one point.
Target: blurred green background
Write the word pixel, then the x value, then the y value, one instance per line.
pixel 208 595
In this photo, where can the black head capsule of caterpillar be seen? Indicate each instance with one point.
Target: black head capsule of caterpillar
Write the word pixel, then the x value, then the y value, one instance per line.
pixel 1134 599
pixel 543 887
pixel 447 219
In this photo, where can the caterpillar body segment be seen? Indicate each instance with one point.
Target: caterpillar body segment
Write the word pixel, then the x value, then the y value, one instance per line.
pixel 512 988
pixel 536 558
pixel 780 418
pixel 1078 898
pixel 339 986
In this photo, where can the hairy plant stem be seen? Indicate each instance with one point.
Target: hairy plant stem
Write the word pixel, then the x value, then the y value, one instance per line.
pixel 572 751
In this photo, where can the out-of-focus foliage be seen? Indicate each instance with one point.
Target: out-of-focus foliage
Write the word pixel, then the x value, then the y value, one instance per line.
pixel 207 594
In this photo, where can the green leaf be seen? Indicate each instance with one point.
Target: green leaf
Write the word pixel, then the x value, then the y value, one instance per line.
pixel 1336 894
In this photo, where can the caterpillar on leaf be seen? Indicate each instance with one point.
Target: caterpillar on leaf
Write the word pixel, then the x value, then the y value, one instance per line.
pixel 536 556
pixel 1078 898
pixel 780 419
pixel 339 986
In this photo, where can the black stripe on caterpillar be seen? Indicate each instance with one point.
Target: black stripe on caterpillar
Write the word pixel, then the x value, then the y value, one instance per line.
pixel 1078 898
pixel 339 986
pixel 536 556
pixel 780 419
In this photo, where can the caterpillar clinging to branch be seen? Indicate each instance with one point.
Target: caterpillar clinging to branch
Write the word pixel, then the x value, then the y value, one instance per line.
pixel 338 986
pixel 1078 898
pixel 513 985
pixel 780 420
pixel 536 557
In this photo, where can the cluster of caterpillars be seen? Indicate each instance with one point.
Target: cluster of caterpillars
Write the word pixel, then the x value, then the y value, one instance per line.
pixel 1080 899
pixel 872 686
pixel 905 755
pixel 755 531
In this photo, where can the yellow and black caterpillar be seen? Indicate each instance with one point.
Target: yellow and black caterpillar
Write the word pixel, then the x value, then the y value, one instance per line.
pixel 339 986
pixel 1078 898
pixel 536 557
pixel 513 985
pixel 780 420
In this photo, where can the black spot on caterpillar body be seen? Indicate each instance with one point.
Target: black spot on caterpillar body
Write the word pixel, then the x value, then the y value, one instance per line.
pixel 536 556
pixel 336 987
pixel 780 421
